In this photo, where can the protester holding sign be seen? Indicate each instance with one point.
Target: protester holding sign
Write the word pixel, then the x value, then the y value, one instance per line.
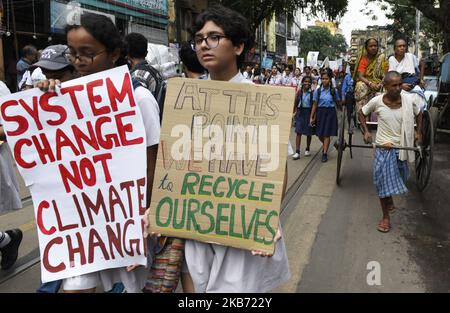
pixel 94 46
pixel 221 37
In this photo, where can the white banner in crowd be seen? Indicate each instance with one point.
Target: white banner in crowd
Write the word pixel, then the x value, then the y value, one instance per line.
pixel 82 153
pixel 312 58
pixel 300 63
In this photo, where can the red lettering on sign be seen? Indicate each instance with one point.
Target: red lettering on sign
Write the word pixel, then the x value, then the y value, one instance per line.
pixel 58 109
pixel 123 129
pixel 71 91
pixel 32 111
pixel 45 259
pixel 93 99
pixel 18 153
pixel 22 122
pixel 127 90
pixel 39 220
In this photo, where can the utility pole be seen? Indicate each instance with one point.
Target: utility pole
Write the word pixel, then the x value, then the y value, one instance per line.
pixel 16 42
pixel 178 21
pixel 416 51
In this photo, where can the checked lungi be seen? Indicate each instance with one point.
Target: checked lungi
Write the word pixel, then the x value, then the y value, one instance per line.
pixel 389 173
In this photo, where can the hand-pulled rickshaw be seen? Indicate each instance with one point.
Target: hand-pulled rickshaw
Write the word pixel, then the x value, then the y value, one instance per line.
pixel 439 107
pixel 424 152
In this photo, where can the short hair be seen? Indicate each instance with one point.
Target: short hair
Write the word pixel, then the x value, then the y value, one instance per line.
pixel 29 50
pixel 398 39
pixel 328 72
pixel 390 75
pixel 189 58
pixel 137 45
pixel 306 77
pixel 101 28
pixel 234 25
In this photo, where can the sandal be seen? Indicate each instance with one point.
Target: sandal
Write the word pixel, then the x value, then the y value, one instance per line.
pixel 384 227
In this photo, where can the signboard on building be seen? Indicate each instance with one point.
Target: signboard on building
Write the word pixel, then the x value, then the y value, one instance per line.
pixel 63 13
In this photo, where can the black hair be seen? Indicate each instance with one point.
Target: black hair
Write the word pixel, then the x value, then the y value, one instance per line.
pixel 189 58
pixel 235 27
pixel 29 50
pixel 366 43
pixel 306 77
pixel 101 28
pixel 328 72
pixel 389 75
pixel 137 45
pixel 398 39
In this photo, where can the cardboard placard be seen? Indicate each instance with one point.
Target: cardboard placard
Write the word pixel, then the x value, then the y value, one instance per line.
pixel 221 163
pixel 82 153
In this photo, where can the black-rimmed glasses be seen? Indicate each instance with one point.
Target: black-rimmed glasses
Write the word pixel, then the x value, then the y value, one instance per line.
pixel 85 59
pixel 212 41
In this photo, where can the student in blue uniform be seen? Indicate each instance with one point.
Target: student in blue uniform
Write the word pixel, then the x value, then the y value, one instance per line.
pixel 326 99
pixel 302 112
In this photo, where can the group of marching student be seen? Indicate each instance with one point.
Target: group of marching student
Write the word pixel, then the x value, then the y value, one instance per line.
pixel 315 108
pixel 220 39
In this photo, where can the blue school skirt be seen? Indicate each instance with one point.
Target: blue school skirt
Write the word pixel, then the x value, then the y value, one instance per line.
pixel 326 122
pixel 302 119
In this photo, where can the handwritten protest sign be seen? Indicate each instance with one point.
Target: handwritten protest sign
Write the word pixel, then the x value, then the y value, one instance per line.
pixel 221 162
pixel 82 153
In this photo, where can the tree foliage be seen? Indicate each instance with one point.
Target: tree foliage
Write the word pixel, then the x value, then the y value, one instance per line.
pixel 257 10
pixel 436 22
pixel 320 39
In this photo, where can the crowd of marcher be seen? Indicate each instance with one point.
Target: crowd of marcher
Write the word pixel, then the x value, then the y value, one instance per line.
pixel 220 40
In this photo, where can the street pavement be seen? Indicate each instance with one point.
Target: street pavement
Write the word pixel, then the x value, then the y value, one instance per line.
pixel 330 231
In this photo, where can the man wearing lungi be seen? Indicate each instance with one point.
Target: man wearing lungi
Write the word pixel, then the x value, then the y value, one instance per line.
pixel 396 112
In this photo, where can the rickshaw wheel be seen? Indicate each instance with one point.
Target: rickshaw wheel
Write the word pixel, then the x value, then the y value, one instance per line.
pixel 424 163
pixel 341 147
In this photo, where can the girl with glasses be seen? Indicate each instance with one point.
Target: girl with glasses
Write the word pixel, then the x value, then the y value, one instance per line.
pixel 95 46
pixel 221 38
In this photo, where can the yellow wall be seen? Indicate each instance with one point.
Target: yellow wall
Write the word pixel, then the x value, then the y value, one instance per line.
pixel 330 25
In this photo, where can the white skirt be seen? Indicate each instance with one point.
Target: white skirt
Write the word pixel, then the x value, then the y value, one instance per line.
pixel 219 269
pixel 9 189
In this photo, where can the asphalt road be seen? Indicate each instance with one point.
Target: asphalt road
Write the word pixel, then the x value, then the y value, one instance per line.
pixel 413 257
pixel 330 232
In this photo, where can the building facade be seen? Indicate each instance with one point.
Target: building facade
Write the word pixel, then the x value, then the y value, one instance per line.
pixel 42 22
pixel 382 34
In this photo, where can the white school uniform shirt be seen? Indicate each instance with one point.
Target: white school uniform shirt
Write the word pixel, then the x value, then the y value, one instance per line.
pixel 133 281
pixel 407 65
pixel 220 269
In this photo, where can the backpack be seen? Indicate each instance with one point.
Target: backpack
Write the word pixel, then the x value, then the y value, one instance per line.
pixel 148 77
pixel 299 99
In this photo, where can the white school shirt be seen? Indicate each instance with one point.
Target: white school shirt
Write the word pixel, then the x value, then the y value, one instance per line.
pixel 150 114
pixel 407 65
